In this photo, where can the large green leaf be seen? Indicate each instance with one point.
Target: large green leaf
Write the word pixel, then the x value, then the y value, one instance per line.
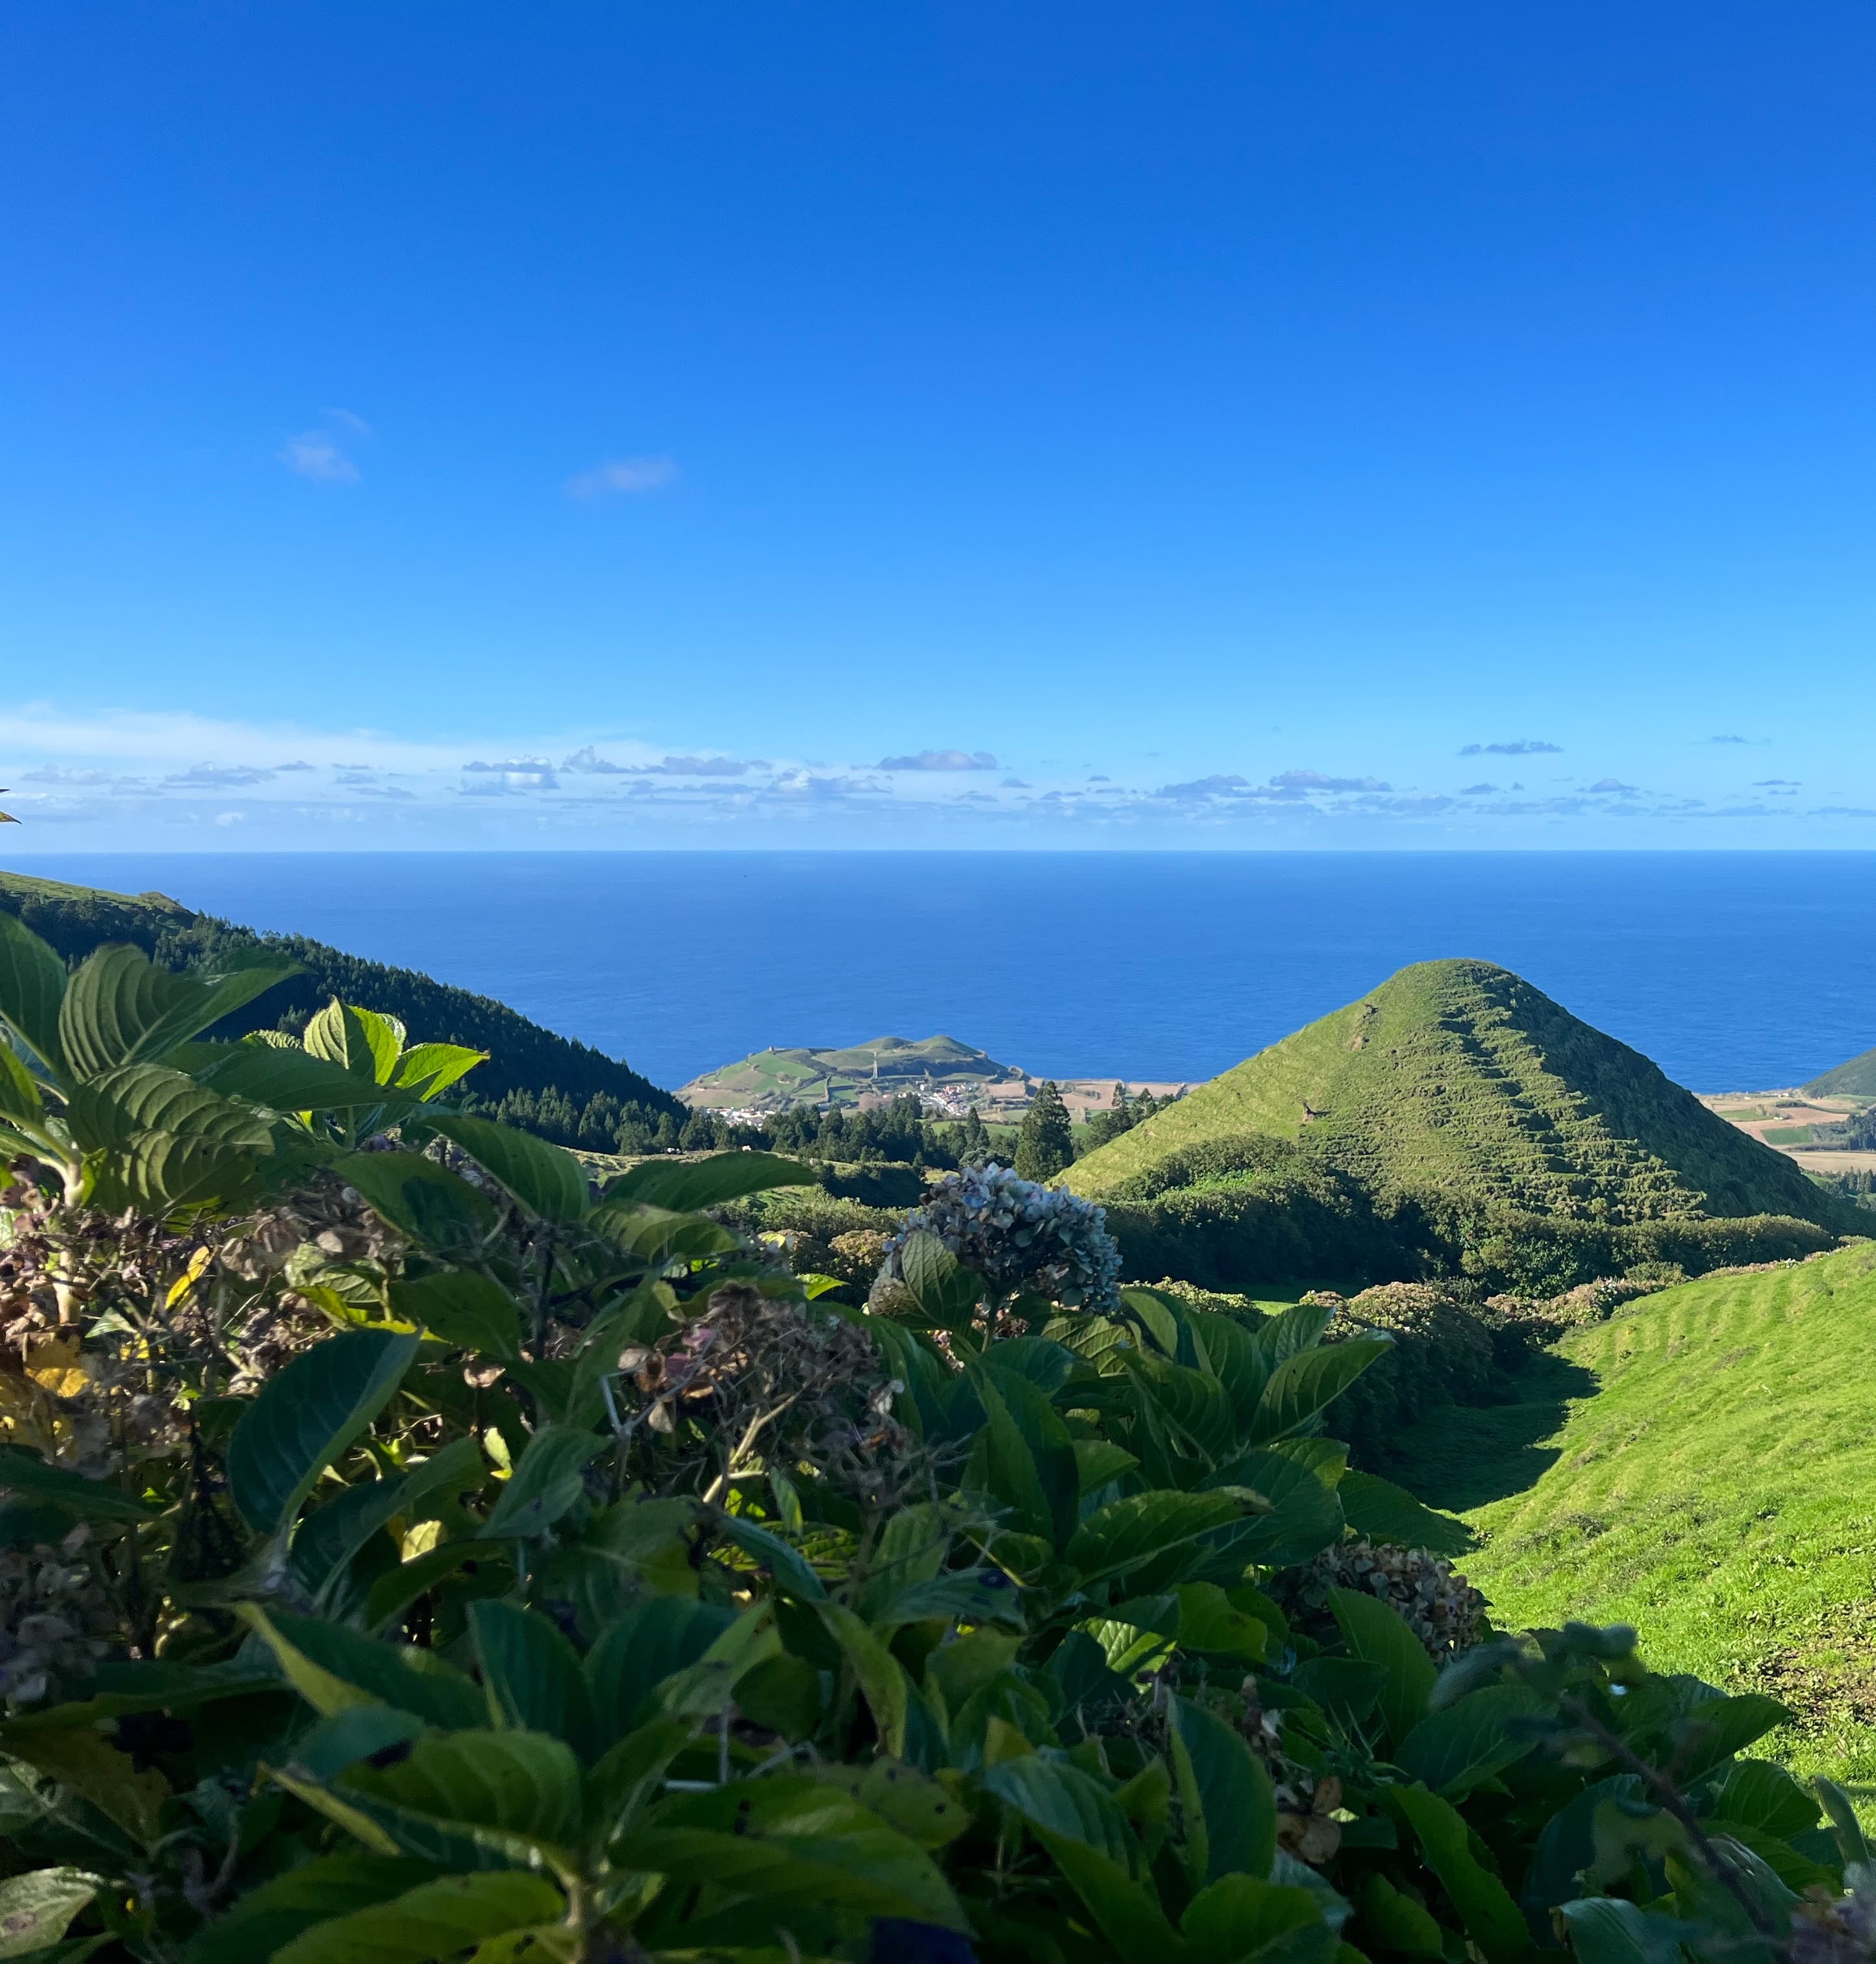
pixel 1026 1457
pixel 1708 1736
pixel 1305 1515
pixel 337 1669
pixel 260 1922
pixel 1375 1633
pixel 121 1008
pixel 1066 1801
pixel 703 1690
pixel 1234 1358
pixel 1605 1930
pixel 111 1004
pixel 631 1777
pixel 1210 1621
pixel 532 1675
pixel 111 1108
pixel 548 1478
pixel 545 1180
pixel 1295 1331
pixel 32 988
pixel 1072 1823
pixel 1453 1750
pixel 361 1042
pixel 1129 1532
pixel 789 1570
pixel 683 1186
pixel 283 1081
pixel 166 1172
pixel 148 1684
pixel 82 1760
pixel 945 1292
pixel 19 1095
pixel 23 1472
pixel 1760 1795
pixel 791 1840
pixel 652 1642
pixel 521 1784
pixel 881 1678
pixel 1230 1806
pixel 1385 1513
pixel 1197 1405
pixel 470 1311
pixel 1239 1917
pixel 306 1416
pixel 1492 1919
pixel 328 1539
pixel 1303 1384
pixel 438 1918
pixel 655 1235
pixel 37 1907
pixel 426 1201
pixel 427 1069
pixel 208 1000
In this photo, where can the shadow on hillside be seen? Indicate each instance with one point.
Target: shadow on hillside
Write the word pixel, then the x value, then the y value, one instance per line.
pixel 1461 1456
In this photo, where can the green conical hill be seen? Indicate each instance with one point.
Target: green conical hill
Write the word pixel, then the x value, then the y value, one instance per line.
pixel 1856 1079
pixel 1458 1080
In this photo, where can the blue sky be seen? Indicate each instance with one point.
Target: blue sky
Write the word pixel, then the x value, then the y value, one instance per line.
pixel 1231 424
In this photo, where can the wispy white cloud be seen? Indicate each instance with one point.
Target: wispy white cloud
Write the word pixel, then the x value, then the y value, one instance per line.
pixel 1315 781
pixel 1523 746
pixel 626 474
pixel 941 760
pixel 315 454
pixel 220 774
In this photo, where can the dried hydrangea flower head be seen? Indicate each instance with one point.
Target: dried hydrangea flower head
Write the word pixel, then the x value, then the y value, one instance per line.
pixel 774 1377
pixel 1436 1601
pixel 57 1618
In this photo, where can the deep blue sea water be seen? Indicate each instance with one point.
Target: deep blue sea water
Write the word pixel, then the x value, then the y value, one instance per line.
pixel 1734 971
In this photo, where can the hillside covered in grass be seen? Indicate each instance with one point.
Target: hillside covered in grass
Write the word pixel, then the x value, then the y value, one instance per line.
pixel 1856 1079
pixel 528 1063
pixel 1460 1078
pixel 1703 1466
pixel 777 1079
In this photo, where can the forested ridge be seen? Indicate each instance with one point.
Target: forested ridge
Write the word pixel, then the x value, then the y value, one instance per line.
pixel 533 1076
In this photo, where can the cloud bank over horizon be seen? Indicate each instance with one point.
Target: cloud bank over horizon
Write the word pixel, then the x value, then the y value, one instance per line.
pixel 170 781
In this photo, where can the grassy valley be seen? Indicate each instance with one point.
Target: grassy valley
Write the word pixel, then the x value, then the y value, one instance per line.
pixel 1701 1465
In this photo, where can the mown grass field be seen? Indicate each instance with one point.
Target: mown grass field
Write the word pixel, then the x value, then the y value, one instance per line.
pixel 1704 1467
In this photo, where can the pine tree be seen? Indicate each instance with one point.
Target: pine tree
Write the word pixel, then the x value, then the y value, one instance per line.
pixel 1046 1144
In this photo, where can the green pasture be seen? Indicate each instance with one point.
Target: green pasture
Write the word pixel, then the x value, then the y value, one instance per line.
pixel 1702 1466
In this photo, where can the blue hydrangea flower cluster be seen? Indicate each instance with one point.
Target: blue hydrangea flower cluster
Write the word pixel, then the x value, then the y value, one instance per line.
pixel 1022 1238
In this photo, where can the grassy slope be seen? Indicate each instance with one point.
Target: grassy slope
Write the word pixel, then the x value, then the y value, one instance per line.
pixel 523 1054
pixel 902 1065
pixel 1704 1467
pixel 1460 1076
pixel 1856 1079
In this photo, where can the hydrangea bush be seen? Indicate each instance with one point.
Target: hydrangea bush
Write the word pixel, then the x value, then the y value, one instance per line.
pixel 1023 1238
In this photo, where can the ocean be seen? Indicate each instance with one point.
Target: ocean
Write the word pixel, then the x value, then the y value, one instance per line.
pixel 1733 972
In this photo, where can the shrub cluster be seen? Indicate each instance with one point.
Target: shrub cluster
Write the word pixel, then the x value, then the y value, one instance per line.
pixel 409 1552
